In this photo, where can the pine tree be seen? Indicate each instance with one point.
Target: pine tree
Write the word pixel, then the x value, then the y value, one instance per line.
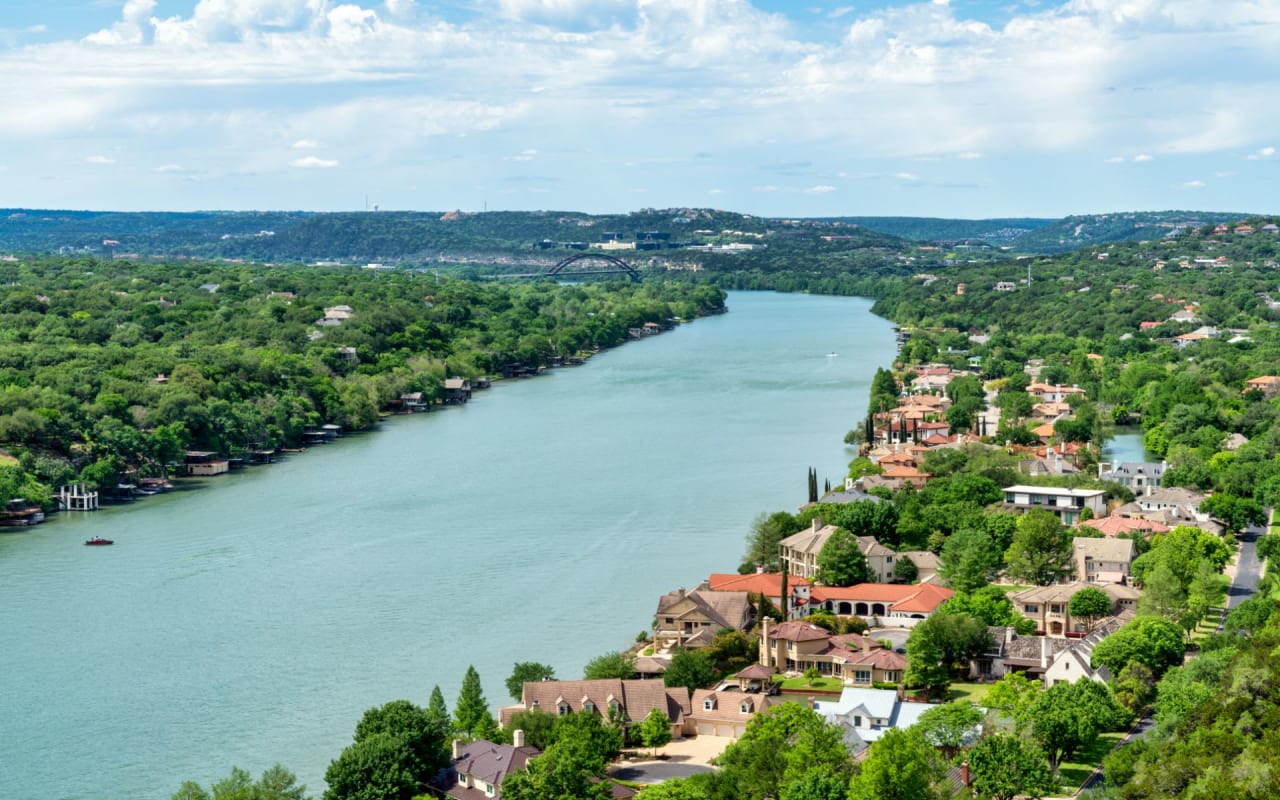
pixel 471 716
pixel 438 711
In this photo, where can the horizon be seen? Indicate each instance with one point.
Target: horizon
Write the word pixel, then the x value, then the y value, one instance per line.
pixel 951 109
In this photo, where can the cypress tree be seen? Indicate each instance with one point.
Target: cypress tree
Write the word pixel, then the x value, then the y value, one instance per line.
pixel 471 716
pixel 438 711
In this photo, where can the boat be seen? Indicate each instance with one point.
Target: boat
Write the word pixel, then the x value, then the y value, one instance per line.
pixel 98 541
pixel 832 355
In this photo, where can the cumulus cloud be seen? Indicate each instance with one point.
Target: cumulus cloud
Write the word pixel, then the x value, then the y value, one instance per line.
pixel 1143 157
pixel 100 160
pixel 135 21
pixel 906 176
pixel 1263 154
pixel 305 144
pixel 524 155
pixel 1192 185
pixel 313 162
pixel 820 189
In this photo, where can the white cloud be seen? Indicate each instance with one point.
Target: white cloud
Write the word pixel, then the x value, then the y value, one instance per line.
pixel 1263 154
pixel 906 176
pixel 1141 157
pixel 1115 159
pixel 969 156
pixel 135 18
pixel 820 189
pixel 169 169
pixel 525 155
pixel 100 160
pixel 313 162
pixel 1192 185
pixel 715 191
pixel 305 144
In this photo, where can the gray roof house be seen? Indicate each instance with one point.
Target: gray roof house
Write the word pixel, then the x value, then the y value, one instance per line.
pixel 863 715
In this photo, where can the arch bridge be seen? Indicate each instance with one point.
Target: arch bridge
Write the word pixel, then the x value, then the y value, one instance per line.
pixel 572 267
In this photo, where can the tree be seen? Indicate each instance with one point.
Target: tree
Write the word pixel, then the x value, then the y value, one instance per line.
pixel 438 712
pixel 1070 716
pixel 901 765
pixel 538 727
pixel 471 716
pixel 1014 696
pixel 692 669
pixel 840 561
pixel 970 559
pixel 620 666
pixel 415 728
pixel 1041 550
pixel 767 530
pixel 1004 767
pixel 905 570
pixel 779 747
pixel 1237 513
pixel 655 730
pixel 527 672
pixel 992 606
pixel 276 783
pixel 1162 593
pixel 1135 687
pixel 951 726
pixel 1153 641
pixel 1089 603
pixel 374 768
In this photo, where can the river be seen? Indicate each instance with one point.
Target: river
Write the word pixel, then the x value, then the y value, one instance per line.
pixel 252 618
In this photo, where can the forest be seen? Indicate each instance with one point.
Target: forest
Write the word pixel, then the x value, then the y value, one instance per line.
pixel 112 369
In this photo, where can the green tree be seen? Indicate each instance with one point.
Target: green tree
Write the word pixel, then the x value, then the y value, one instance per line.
pixel 969 560
pixel 1004 767
pixel 1069 717
pixel 992 606
pixel 619 666
pixel 438 712
pixel 374 768
pixel 840 562
pixel 1014 697
pixel 692 669
pixel 538 727
pixel 527 672
pixel 780 746
pixel 951 726
pixel 1089 603
pixel 901 765
pixel 767 530
pixel 471 716
pixel 1041 550
pixel 655 730
pixel 905 570
pixel 423 740
pixel 1153 641
pixel 276 783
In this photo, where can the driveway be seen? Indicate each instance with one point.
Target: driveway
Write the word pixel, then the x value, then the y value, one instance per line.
pixel 1244 583
pixel 898 636
pixel 656 771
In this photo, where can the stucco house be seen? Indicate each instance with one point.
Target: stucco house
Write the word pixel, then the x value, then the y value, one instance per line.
pixel 768 584
pixel 692 619
pixel 1047 606
pixel 1102 560
pixel 1139 477
pixel 726 712
pixel 793 647
pixel 799 551
pixel 889 603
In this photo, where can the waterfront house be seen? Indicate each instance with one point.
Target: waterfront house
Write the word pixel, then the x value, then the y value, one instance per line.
pixel 768 584
pixel 863 715
pixel 1047 606
pixel 477 770
pixel 627 700
pixel 1102 560
pixel 1066 504
pixel 1139 477
pixel 888 603
pixel 205 462
pixel 692 619
pixel 799 551
pixel 457 390
pixel 795 646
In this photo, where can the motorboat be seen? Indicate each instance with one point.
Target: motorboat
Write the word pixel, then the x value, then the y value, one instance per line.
pixel 98 541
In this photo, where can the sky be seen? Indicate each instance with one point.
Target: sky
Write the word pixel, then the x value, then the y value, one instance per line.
pixel 967 108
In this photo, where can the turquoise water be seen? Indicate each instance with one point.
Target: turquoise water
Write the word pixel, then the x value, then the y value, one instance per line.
pixel 252 618
pixel 1126 446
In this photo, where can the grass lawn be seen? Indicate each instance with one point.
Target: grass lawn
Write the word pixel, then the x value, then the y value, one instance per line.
pixel 1071 774
pixel 801 684
pixel 974 692
pixel 1207 626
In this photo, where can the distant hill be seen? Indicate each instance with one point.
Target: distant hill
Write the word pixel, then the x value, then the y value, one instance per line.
pixel 1083 230
pixel 404 236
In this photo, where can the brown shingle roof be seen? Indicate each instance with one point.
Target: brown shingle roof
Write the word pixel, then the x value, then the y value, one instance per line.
pixel 636 698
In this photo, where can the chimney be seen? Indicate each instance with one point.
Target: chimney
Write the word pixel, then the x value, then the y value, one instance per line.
pixel 902 694
pixel 811 699
pixel 457 749
pixel 517 737
pixel 1044 652
pixel 817 523
pixel 964 774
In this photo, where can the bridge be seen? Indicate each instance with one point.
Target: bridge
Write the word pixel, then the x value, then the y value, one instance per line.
pixel 572 267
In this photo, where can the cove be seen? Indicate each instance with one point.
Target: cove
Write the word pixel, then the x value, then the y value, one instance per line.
pixel 252 618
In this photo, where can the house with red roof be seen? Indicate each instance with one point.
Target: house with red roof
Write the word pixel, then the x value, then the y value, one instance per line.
pixel 891 603
pixel 768 584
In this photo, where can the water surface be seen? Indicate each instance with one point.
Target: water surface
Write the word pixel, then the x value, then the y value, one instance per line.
pixel 252 618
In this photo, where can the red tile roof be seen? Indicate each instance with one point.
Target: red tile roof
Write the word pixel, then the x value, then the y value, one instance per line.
pixel 766 583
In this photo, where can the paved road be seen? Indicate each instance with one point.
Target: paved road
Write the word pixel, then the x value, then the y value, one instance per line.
pixel 1248 568
pixel 657 771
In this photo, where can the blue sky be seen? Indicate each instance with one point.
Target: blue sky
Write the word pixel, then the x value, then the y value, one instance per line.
pixel 966 108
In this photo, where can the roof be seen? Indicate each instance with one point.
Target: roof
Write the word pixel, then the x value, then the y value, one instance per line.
pixel 1113 526
pixel 755 672
pixel 1172 496
pixel 809 540
pixel 636 698
pixel 1131 469
pixel 871 547
pixel 923 559
pixel 766 583
pixel 1055 490
pixel 878 704
pixel 798 631
pixel 1062 592
pixel 725 609
pixel 492 762
pixel 727 706
pixel 848 496
pixel 921 597
pixel 1103 549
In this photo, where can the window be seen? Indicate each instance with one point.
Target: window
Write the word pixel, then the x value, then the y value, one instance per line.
pixel 709 704
pixel 1055 608
pixel 563 709
pixel 1032 608
pixel 862 676
pixel 588 706
pixel 857 721
pixel 745 708
pixel 892 676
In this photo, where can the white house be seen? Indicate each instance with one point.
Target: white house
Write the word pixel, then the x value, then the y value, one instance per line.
pixel 1067 504
pixel 863 715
